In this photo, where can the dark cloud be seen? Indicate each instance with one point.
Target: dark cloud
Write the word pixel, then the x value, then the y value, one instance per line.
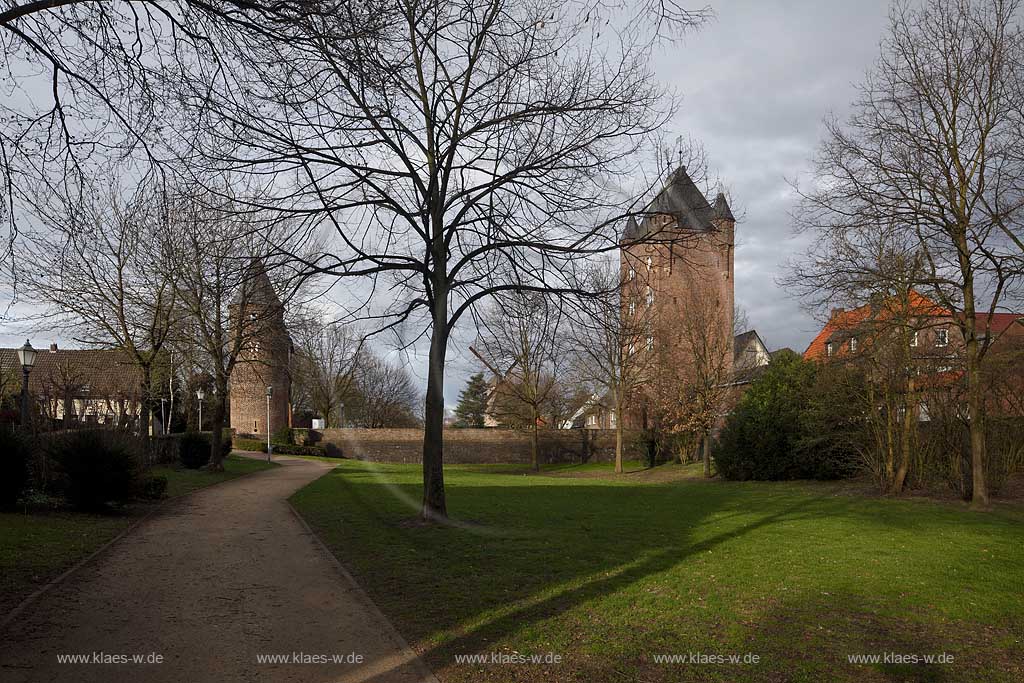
pixel 755 86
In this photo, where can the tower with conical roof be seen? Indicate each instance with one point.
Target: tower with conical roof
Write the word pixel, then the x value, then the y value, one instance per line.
pixel 677 261
pixel 257 317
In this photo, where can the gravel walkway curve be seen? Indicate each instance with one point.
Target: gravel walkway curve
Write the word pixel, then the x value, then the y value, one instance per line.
pixel 212 583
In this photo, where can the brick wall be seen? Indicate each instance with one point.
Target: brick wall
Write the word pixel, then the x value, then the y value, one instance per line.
pixel 473 445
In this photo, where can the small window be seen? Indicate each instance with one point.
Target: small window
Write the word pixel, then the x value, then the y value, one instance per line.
pixel 632 307
pixel 252 316
pixel 632 349
pixel 942 337
pixel 853 344
pixel 828 349
pixel 650 297
pixel 632 274
pixel 650 262
pixel 913 338
pixel 650 342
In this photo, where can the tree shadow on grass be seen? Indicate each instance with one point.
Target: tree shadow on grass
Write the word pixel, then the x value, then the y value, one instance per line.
pixel 546 547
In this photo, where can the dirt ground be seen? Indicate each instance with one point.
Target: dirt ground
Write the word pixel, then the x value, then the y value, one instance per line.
pixel 209 585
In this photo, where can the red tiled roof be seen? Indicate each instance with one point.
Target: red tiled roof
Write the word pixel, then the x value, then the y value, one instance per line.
pixel 97 373
pixel 847 320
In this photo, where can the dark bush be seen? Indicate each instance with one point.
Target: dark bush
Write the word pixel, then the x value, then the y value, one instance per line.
pixel 154 487
pixel 759 438
pixel 289 449
pixel 283 435
pixel 14 457
pixel 194 450
pixel 97 466
pixel 246 444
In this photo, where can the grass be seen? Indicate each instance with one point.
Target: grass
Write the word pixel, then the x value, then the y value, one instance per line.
pixel 37 547
pixel 181 481
pixel 609 572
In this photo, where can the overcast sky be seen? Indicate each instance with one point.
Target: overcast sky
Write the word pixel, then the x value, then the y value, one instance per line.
pixel 755 85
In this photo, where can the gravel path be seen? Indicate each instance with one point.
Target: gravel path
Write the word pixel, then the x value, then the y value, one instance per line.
pixel 210 584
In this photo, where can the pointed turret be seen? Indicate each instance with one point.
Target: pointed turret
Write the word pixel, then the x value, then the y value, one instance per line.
pixel 722 210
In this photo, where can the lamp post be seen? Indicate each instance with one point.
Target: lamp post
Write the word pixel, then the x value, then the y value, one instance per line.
pixel 270 392
pixel 200 394
pixel 27 356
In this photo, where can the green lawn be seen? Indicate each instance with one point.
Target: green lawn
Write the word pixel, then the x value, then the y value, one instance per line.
pixel 608 573
pixel 181 481
pixel 37 547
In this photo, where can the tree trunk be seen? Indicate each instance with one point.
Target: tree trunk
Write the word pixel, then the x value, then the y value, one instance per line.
pixel 535 444
pixel 434 506
pixel 147 380
pixel 618 434
pixel 706 454
pixel 976 413
pixel 906 441
pixel 217 426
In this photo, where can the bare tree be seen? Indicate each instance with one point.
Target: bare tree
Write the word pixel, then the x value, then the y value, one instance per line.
pixel 384 395
pixel 469 148
pixel 225 296
pixel 326 364
pixel 97 265
pixel 522 341
pixel 933 150
pixel 694 357
pixel 610 343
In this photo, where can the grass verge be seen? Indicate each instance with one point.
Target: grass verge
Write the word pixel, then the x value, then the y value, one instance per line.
pixel 612 573
pixel 37 547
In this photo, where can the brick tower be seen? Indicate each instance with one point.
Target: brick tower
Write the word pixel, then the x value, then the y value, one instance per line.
pixel 264 359
pixel 677 265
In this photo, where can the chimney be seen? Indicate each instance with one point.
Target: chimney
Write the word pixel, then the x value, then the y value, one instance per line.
pixel 837 312
pixel 53 347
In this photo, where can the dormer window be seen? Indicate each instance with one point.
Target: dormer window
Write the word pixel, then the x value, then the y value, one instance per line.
pixel 942 337
pixel 828 349
pixel 853 344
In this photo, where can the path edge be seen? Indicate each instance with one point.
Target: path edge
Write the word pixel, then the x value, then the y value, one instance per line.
pixel 75 568
pixel 425 673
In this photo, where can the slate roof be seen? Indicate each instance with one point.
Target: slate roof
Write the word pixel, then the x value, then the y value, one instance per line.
pixel 94 373
pixel 681 199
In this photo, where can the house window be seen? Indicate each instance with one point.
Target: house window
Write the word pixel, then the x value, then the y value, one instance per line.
pixel 942 337
pixel 592 420
pixel 632 349
pixel 650 297
pixel 650 342
pixel 828 349
pixel 913 339
pixel 650 262
pixel 853 344
pixel 632 274
pixel 632 307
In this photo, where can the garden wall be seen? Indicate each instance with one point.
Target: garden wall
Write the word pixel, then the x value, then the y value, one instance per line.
pixel 472 445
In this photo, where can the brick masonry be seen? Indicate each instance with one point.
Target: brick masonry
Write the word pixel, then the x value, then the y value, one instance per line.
pixel 465 446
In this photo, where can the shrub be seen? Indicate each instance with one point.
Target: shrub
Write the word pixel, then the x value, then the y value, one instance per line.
pixel 194 450
pixel 759 438
pixel 14 457
pixel 98 466
pixel 289 449
pixel 154 487
pixel 246 444
pixel 283 436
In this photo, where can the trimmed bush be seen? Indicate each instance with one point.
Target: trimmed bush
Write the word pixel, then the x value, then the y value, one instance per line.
pixel 283 436
pixel 290 449
pixel 97 467
pixel 245 444
pixel 194 450
pixel 14 457
pixel 154 487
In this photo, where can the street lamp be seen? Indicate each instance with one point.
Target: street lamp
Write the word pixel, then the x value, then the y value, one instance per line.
pixel 270 392
pixel 200 394
pixel 27 356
